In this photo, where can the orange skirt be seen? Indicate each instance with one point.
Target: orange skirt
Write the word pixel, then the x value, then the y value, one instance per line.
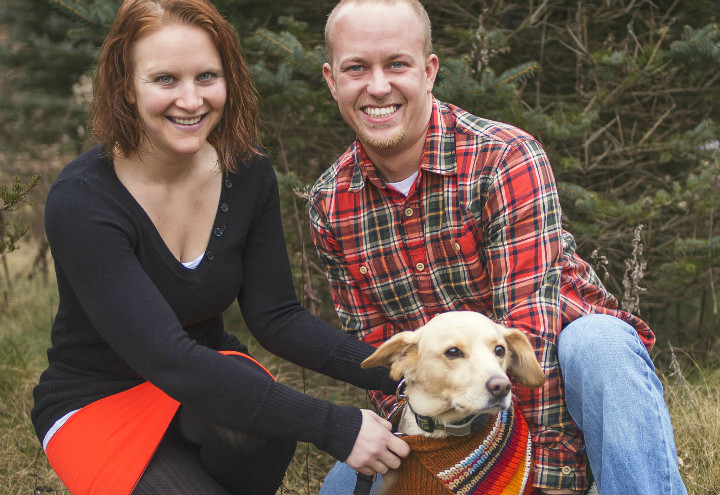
pixel 104 448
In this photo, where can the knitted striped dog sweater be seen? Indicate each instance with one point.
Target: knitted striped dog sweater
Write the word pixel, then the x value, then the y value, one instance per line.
pixel 495 461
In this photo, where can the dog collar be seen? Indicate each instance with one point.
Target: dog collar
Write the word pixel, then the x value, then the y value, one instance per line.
pixel 461 428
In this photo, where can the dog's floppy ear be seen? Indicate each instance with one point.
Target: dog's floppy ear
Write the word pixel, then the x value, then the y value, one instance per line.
pixel 523 365
pixel 398 353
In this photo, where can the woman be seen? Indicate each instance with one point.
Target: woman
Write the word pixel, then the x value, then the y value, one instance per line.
pixel 154 233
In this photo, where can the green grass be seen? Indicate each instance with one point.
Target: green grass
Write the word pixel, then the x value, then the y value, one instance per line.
pixel 26 312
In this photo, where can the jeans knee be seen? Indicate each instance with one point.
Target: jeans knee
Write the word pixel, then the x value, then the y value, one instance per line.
pixel 599 342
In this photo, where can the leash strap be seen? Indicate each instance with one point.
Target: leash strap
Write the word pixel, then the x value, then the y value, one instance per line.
pixel 363 483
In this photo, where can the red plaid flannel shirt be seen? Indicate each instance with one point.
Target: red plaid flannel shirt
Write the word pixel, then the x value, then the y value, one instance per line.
pixel 480 230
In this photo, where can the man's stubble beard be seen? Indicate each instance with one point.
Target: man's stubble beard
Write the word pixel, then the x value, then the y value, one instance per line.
pixel 382 144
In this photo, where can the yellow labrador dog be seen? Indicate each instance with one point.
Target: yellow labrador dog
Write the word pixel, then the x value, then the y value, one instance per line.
pixel 455 370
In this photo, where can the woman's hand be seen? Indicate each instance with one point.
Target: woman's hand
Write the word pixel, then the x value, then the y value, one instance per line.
pixel 376 449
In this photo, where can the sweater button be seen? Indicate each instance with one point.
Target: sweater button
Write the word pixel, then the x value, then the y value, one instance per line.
pixel 218 231
pixel 224 207
pixel 210 255
pixel 228 183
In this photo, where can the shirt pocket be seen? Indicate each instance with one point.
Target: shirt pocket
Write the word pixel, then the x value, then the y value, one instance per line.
pixel 387 282
pixel 459 269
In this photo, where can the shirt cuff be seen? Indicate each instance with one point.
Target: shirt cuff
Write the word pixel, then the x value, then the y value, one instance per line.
pixel 556 469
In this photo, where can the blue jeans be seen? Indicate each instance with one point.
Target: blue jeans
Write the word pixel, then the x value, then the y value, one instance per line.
pixel 616 399
pixel 341 481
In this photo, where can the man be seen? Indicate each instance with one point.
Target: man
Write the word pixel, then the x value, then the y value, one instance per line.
pixel 433 209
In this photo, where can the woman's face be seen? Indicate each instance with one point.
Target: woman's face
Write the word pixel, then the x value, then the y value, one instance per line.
pixel 179 88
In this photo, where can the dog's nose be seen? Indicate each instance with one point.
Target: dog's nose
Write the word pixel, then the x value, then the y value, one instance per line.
pixel 498 385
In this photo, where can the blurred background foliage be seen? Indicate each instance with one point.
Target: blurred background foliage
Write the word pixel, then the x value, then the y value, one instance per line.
pixel 623 95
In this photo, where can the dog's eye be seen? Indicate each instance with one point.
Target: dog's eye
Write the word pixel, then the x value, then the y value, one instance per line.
pixel 499 351
pixel 454 353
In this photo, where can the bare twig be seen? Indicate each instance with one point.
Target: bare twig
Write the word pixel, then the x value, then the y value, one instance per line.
pixel 309 292
pixel 634 272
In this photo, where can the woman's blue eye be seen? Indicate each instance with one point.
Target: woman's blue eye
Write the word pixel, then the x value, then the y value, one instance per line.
pixel 206 76
pixel 164 79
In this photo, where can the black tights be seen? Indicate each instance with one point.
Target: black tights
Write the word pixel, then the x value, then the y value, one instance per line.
pixel 200 458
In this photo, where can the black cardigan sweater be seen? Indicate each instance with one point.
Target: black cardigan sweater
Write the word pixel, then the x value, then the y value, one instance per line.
pixel 129 311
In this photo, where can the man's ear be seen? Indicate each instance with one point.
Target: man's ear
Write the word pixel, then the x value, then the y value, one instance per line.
pixel 398 353
pixel 432 65
pixel 329 79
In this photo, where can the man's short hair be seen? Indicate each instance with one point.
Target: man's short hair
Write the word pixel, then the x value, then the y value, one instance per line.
pixel 415 5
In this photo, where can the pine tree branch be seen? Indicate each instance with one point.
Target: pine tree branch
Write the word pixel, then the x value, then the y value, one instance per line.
pixel 73 10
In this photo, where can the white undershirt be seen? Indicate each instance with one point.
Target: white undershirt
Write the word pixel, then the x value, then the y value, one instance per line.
pixel 56 427
pixel 404 185
pixel 190 265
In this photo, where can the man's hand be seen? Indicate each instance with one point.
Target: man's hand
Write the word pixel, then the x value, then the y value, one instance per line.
pixel 376 449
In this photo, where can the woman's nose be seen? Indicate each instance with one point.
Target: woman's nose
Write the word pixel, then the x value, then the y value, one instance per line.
pixel 190 98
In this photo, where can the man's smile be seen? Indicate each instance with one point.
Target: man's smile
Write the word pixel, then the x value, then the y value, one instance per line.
pixel 379 112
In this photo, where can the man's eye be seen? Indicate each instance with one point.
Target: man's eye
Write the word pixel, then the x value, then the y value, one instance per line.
pixel 397 65
pixel 354 68
pixel 454 353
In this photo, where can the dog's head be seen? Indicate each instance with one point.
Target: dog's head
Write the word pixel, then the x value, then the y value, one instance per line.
pixel 458 365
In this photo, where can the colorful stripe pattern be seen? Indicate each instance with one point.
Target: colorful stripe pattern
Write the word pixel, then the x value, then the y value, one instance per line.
pixel 496 461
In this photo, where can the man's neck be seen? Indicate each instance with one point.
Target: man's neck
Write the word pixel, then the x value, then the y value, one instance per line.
pixel 397 163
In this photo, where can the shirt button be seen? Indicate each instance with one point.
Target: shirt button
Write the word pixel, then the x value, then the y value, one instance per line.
pixel 420 267
pixel 408 212
pixel 228 183
pixel 566 470
pixel 363 270
pixel 210 255
pixel 224 207
pixel 218 231
pixel 457 247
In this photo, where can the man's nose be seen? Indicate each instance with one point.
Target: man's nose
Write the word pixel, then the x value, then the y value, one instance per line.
pixel 379 84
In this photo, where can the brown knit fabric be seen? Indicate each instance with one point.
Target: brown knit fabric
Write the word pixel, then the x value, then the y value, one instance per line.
pixel 494 461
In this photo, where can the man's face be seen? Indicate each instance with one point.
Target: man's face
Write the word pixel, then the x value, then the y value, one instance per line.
pixel 380 76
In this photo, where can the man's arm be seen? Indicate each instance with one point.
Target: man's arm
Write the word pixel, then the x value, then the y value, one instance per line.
pixel 522 249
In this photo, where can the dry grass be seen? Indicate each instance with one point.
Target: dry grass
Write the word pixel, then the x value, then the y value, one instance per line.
pixel 693 395
pixel 24 322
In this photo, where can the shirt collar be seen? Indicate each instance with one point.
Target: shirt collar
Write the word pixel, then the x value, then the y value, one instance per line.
pixel 438 155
